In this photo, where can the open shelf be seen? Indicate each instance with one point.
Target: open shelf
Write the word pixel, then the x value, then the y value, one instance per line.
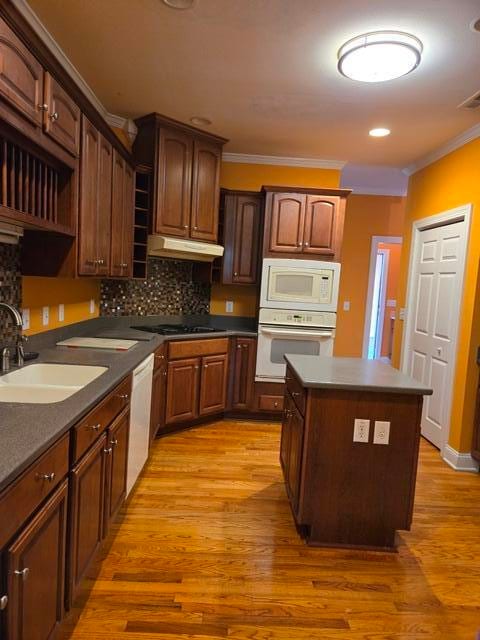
pixel 143 203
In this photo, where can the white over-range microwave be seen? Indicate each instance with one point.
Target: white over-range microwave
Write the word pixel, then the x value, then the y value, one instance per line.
pixel 300 284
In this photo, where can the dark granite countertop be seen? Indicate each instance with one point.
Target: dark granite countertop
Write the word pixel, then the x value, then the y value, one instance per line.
pixel 356 374
pixel 27 430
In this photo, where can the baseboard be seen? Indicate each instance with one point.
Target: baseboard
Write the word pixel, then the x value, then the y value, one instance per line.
pixel 459 461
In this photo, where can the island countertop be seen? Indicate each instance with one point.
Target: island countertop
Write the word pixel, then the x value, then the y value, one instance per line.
pixel 356 374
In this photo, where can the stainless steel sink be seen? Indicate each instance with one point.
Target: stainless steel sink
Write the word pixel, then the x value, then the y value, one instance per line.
pixel 46 383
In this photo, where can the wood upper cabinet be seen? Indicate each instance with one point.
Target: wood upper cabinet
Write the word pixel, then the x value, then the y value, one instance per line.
pixel 305 224
pixel 213 384
pixel 182 390
pixel 174 183
pixel 187 175
pixel 205 191
pixel 116 470
pixel 87 484
pixel 21 77
pixel 36 573
pixel 88 214
pixel 62 117
pixel 243 373
pixel 242 217
pixel 121 257
pixel 104 207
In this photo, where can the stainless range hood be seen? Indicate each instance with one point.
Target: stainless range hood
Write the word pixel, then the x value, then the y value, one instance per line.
pixel 167 247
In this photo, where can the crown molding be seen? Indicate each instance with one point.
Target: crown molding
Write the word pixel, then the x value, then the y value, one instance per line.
pixel 448 147
pixel 33 20
pixel 314 163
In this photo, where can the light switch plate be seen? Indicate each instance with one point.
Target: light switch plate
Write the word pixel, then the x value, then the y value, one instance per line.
pixel 45 316
pixel 391 303
pixel 61 312
pixel 92 306
pixel 401 314
pixel 381 434
pixel 361 429
pixel 25 318
pixel 229 306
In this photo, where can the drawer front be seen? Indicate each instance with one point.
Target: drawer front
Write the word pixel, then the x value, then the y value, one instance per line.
pixel 270 403
pixel 297 392
pixel 87 431
pixel 195 348
pixel 22 498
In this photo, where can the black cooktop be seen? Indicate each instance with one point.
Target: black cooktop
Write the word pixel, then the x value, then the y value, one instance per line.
pixel 175 329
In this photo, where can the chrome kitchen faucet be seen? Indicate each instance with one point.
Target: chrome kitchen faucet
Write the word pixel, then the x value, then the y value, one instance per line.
pixel 19 350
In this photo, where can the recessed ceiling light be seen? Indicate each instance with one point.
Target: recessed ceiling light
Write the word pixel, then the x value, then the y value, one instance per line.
pixel 379 132
pixel 379 56
pixel 179 4
pixel 200 122
pixel 475 25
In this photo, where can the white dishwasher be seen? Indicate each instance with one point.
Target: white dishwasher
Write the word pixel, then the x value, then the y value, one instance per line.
pixel 139 420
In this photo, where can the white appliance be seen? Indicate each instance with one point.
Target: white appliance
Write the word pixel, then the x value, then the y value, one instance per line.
pixel 167 247
pixel 288 331
pixel 139 420
pixel 300 284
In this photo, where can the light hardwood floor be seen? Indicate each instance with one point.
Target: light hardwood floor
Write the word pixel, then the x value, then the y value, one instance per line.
pixel 207 548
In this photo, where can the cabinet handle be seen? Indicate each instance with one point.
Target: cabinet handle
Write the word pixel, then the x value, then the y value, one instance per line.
pixel 287 413
pixel 3 603
pixel 123 396
pixel 239 346
pixel 108 451
pixel 54 116
pixel 205 366
pixel 295 394
pixel 165 373
pixel 300 244
pixel 124 265
pixel 159 357
pixel 185 226
pixel 95 427
pixel 197 367
pixel 114 442
pixel 46 476
pixel 23 573
pixel 306 244
pixel 43 107
pixel 195 228
pixel 275 404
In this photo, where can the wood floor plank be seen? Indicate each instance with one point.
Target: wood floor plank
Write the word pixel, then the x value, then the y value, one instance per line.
pixel 207 548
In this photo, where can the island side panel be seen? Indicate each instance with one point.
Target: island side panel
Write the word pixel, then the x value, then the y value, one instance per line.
pixel 359 494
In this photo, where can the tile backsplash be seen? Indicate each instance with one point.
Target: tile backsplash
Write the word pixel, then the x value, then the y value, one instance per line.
pixel 169 290
pixel 10 289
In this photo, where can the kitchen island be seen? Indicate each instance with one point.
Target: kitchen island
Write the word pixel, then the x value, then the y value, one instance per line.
pixel 349 449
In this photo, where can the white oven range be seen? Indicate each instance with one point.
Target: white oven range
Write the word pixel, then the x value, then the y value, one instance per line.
pixel 289 331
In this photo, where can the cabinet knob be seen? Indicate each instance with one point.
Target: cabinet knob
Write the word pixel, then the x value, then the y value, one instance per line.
pixel 108 451
pixel 205 366
pixel 195 228
pixel 235 274
pixel 159 357
pixel 43 107
pixel 239 346
pixel 123 396
pixel 114 442
pixel 306 244
pixel 95 427
pixel 23 573
pixel 295 394
pixel 54 116
pixel 3 603
pixel 299 244
pixel 275 404
pixel 165 373
pixel 123 265
pixel 46 476
pixel 185 226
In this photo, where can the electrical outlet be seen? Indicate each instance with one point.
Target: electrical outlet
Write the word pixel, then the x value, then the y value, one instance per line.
pixel 229 306
pixel 381 434
pixel 25 319
pixel 361 430
pixel 45 316
pixel 92 306
pixel 401 314
pixel 61 312
pixel 391 303
pixel 346 305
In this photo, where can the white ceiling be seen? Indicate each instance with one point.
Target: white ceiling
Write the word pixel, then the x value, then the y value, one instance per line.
pixel 264 71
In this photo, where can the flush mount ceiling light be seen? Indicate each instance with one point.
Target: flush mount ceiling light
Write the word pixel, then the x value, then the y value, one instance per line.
pixel 379 132
pixel 379 56
pixel 200 122
pixel 179 4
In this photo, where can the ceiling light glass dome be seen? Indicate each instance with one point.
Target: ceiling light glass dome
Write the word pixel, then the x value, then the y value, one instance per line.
pixel 379 56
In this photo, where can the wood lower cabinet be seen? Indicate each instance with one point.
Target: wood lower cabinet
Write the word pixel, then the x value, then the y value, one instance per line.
pixel 242 222
pixel 182 390
pixel 62 118
pixel 36 573
pixel 116 471
pixel 291 449
pixel 213 385
pixel 159 390
pixel 305 223
pixel 243 373
pixel 122 211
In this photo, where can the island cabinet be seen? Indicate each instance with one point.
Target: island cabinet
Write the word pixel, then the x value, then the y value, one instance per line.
pixel 304 223
pixel 186 165
pixel 344 492
pixel 197 377
pixel 241 218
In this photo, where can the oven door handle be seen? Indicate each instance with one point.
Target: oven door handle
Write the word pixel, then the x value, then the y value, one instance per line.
pixel 299 334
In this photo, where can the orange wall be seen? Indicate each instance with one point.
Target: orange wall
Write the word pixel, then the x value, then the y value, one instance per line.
pixel 365 216
pixel 394 254
pixel 75 294
pixel 448 183
pixel 251 177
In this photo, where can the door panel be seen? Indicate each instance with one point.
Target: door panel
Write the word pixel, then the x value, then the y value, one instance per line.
pixel 159 387
pixel 21 76
pixel 243 373
pixel 62 120
pixel 89 174
pixel 104 207
pixel 36 573
pixel 320 223
pixel 182 390
pixel 117 459
pixel 437 277
pixel 213 384
pixel 295 456
pixel 205 191
pixel 174 184
pixel 287 222
pixel 118 206
pixel 246 238
pixel 128 214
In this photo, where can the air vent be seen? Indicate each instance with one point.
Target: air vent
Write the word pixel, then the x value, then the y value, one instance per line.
pixel 471 103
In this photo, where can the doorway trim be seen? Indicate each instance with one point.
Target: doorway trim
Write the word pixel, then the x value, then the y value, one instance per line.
pixel 459 214
pixel 376 240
